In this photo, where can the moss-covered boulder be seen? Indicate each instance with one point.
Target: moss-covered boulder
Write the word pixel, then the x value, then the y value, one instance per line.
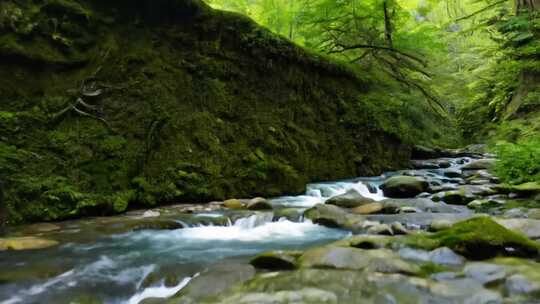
pixel 350 199
pixel 525 189
pixel 479 238
pixel 404 186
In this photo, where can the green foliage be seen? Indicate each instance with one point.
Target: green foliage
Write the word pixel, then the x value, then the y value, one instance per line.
pixel 519 162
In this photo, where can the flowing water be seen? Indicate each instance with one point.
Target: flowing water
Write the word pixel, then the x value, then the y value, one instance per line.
pixel 122 268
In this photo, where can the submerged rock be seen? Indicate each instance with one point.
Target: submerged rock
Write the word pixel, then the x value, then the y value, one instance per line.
pixel 404 186
pixel 350 199
pixel 26 243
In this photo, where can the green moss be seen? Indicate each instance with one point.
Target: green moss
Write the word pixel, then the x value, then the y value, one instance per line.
pixel 427 269
pixel 122 200
pixel 218 108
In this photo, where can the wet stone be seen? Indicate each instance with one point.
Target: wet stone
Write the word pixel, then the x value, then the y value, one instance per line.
pixel 519 284
pixel 484 272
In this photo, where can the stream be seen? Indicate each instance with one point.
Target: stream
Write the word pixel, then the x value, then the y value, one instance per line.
pixel 104 259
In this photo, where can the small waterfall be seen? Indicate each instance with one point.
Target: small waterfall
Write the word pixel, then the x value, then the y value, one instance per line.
pixel 325 191
pixel 254 220
pixel 159 292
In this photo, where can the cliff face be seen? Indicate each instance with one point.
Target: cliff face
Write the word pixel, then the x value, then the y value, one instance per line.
pixel 110 104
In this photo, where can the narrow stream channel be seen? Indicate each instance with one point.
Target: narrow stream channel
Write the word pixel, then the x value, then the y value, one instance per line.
pixel 120 267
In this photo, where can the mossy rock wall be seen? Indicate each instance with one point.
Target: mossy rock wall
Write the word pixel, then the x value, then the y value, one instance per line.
pixel 107 105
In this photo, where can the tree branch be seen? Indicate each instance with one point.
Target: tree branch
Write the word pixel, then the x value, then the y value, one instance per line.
pixel 383 48
pixel 481 10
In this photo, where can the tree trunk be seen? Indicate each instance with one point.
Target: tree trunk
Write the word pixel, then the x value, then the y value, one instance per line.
pixel 387 25
pixel 528 80
pixel 529 5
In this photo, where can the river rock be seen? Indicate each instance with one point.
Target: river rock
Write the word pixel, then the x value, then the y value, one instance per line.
pixel 26 243
pixel 369 209
pixel 443 164
pixel 481 238
pixel 291 214
pixel 368 241
pixel 214 280
pixel 414 254
pixel 457 197
pixel 380 229
pixel 333 286
pixel 529 227
pixel 483 203
pixel 276 260
pixel 452 173
pixel 234 204
pixel 440 224
pixel 404 186
pixel 326 215
pixel 151 213
pixel 379 260
pixel 519 284
pixel 481 164
pixel 484 272
pixel 445 256
pixel 534 213
pixel 350 199
pixel 399 229
pixel 259 203
pixel 441 256
pixel 424 164
pixel 526 189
